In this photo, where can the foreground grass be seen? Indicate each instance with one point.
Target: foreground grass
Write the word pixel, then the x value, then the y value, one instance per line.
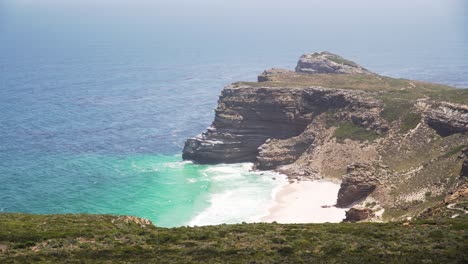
pixel 103 238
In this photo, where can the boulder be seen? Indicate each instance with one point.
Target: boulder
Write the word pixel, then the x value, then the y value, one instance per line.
pixel 356 215
pixel 326 62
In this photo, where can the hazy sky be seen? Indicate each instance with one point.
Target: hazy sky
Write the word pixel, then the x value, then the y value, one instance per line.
pixel 393 25
pixel 289 12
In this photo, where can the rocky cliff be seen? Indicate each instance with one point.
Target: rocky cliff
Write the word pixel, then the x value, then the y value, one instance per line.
pixel 395 144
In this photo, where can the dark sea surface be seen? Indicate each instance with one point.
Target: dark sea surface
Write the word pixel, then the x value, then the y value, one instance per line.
pixel 96 102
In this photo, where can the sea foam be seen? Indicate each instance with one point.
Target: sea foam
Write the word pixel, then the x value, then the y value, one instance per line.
pixel 238 194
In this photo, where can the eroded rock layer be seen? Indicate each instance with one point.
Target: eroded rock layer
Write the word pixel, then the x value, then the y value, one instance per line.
pixel 244 119
pixel 448 119
pixel 247 116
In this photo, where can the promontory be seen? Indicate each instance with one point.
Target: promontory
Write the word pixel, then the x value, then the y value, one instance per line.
pixel 397 146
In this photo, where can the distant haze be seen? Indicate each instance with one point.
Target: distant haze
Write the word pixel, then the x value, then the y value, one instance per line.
pixel 291 23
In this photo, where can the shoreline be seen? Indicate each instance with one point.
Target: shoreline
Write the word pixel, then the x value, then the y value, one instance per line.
pixel 306 202
pixel 310 201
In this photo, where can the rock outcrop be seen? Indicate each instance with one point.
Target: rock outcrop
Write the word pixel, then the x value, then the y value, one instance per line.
pixel 143 222
pixel 448 118
pixel 356 214
pixel 276 152
pixel 460 193
pixel 326 62
pixel 357 184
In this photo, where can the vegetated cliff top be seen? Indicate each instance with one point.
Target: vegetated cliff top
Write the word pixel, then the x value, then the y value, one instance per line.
pixel 329 70
pixel 117 239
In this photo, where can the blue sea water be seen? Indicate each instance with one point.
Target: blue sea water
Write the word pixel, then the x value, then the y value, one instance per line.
pixel 96 101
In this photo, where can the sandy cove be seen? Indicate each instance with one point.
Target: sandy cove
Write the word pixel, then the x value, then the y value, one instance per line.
pixel 306 202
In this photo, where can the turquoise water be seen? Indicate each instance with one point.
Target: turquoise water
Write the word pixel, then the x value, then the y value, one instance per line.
pixel 162 188
pixel 98 97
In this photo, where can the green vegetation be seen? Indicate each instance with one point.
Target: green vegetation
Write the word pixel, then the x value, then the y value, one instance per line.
pixel 395 108
pixel 340 60
pixel 410 121
pixel 454 151
pixel 385 88
pixel 350 130
pixel 111 239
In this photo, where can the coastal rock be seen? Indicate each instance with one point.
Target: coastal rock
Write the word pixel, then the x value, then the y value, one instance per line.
pixel 245 118
pixel 277 152
pixel 357 184
pixel 356 214
pixel 326 62
pixel 248 115
pixel 448 118
pixel 133 219
pixel 464 170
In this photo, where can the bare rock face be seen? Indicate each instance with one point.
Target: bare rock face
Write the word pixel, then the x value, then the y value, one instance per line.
pixel 356 215
pixel 248 116
pixel 244 119
pixel 357 184
pixel 277 152
pixel 326 62
pixel 448 118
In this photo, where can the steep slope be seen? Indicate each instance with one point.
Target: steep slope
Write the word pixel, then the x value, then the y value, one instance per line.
pixel 396 144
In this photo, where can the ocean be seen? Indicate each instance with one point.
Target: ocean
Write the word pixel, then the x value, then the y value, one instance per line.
pixel 96 103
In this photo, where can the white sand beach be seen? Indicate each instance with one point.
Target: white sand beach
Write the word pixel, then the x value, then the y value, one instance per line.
pixel 306 202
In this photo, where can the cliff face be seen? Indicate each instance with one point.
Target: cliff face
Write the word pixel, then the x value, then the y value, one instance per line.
pixel 245 118
pixel 392 142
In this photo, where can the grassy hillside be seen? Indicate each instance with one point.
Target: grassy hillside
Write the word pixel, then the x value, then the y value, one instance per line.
pixel 103 238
